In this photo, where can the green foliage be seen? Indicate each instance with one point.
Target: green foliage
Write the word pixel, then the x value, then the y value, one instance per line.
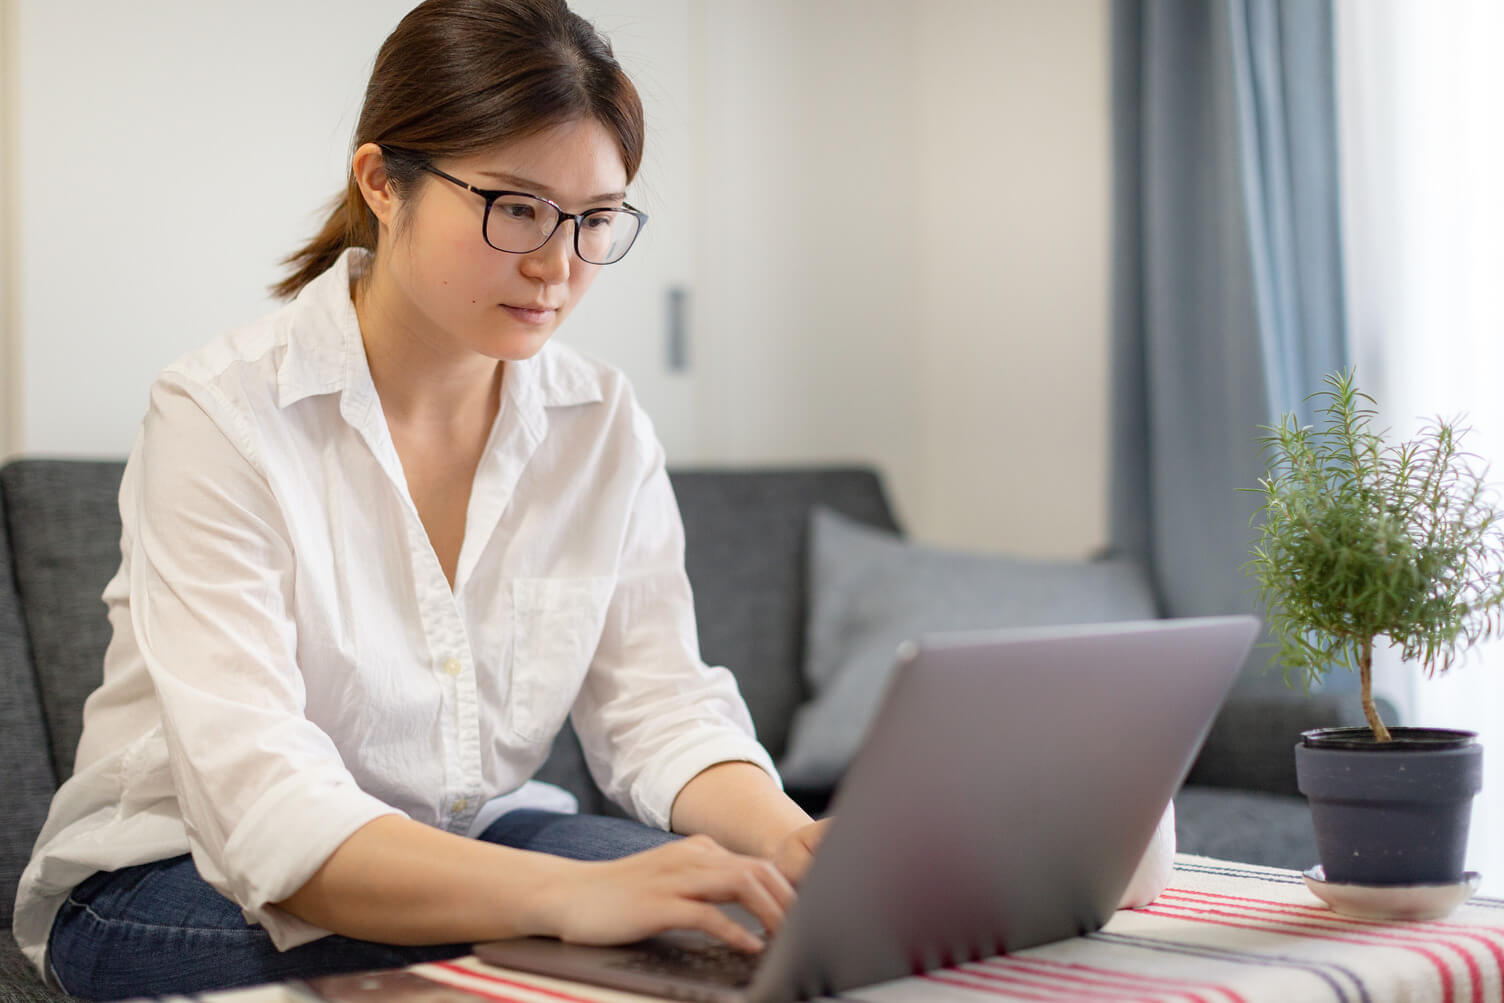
pixel 1362 538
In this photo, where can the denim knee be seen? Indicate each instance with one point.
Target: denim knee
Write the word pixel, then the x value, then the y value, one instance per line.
pixel 160 930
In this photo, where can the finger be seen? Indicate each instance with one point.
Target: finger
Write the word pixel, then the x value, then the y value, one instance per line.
pixel 743 881
pixel 793 863
pixel 817 833
pixel 710 872
pixel 763 894
pixel 705 917
pixel 778 884
pixel 797 852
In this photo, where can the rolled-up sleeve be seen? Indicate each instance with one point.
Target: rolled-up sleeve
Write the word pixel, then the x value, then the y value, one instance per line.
pixel 264 795
pixel 651 714
pixel 1156 867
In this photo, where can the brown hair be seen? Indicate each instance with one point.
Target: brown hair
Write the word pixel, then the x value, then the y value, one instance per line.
pixel 460 76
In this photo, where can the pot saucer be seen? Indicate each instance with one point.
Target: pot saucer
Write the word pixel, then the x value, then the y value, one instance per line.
pixel 1412 902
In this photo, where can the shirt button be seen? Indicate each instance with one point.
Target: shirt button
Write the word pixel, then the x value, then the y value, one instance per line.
pixel 460 804
pixel 452 666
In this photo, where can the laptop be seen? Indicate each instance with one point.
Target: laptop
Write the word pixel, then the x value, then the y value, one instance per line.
pixel 1002 798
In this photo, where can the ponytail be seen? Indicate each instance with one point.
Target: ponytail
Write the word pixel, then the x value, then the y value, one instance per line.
pixel 350 224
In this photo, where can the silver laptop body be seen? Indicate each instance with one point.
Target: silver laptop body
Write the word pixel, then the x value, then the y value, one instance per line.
pixel 1002 799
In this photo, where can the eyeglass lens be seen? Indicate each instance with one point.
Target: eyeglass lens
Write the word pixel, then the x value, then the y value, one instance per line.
pixel 519 223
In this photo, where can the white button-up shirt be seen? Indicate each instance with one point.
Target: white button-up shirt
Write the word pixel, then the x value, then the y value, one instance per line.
pixel 289 661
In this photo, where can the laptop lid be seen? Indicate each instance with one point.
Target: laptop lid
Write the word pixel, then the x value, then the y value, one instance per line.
pixel 1001 799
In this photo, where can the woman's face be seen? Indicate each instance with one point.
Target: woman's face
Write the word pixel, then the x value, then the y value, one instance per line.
pixel 457 291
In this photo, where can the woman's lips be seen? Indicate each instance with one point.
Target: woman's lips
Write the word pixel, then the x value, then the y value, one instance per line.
pixel 530 314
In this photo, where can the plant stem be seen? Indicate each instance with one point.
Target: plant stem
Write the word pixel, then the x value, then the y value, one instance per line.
pixel 1365 666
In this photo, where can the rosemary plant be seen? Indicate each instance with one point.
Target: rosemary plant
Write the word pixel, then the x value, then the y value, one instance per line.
pixel 1361 538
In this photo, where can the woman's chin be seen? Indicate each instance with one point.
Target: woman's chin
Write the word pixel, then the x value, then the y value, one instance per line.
pixel 512 345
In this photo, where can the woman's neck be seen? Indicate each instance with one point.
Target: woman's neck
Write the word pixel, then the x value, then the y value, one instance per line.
pixel 424 380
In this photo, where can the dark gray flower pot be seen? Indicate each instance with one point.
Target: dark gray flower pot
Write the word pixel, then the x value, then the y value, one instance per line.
pixel 1392 813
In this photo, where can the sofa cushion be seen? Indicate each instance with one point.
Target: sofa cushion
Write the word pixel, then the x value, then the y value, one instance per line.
pixel 1252 742
pixel 29 780
pixel 1248 826
pixel 870 591
pixel 745 533
pixel 65 532
pixel 19 982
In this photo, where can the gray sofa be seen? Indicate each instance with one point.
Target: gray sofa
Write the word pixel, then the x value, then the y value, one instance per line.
pixel 745 531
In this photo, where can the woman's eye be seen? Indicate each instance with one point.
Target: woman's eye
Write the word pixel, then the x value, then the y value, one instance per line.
pixel 600 221
pixel 514 210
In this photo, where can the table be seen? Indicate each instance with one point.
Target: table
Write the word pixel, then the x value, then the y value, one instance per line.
pixel 1221 933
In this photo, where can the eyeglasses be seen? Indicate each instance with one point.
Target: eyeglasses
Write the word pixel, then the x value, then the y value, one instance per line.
pixel 519 223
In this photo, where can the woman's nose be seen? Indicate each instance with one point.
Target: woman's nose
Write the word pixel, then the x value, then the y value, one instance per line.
pixel 552 261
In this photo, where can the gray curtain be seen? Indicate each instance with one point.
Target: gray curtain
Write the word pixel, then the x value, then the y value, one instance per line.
pixel 1228 305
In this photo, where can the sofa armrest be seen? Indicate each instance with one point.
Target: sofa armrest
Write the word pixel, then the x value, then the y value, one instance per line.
pixel 1251 743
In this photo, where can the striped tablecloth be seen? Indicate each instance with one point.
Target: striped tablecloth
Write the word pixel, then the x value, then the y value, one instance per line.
pixel 1222 933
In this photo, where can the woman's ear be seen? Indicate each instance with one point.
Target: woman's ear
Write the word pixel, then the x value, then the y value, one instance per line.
pixel 369 167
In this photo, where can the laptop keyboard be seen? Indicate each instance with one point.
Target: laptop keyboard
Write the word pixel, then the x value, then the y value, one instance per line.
pixel 719 963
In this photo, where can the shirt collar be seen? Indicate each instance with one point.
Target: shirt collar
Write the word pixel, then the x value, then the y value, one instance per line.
pixel 325 353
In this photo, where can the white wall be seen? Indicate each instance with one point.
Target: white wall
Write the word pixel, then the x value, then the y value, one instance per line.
pixel 1015 164
pixel 10 377
pixel 811 289
pixel 169 155
pixel 891 214
pixel 928 290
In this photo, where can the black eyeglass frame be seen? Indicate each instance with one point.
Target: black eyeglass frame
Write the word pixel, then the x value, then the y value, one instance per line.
pixel 492 194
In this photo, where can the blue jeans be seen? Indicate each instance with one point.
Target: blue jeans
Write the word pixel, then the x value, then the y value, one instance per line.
pixel 159 929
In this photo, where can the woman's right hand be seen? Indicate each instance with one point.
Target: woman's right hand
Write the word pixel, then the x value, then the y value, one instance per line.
pixel 674 886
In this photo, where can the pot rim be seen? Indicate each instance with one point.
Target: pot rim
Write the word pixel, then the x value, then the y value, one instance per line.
pixel 1404 739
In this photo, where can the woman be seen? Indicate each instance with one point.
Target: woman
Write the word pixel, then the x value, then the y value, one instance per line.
pixel 376 547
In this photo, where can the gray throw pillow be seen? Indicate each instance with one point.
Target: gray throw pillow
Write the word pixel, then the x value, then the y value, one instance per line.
pixel 869 591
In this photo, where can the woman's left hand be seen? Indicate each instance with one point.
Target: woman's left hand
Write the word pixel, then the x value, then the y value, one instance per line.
pixel 793 854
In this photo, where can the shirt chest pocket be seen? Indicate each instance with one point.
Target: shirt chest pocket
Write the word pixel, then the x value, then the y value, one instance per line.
pixel 556 627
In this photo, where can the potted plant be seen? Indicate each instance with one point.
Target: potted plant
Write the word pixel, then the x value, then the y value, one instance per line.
pixel 1362 539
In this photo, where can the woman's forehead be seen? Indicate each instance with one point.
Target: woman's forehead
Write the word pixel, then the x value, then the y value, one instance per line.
pixel 578 160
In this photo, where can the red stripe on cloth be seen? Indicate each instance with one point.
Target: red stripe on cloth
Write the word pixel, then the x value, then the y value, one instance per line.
pixel 513 983
pixel 1096 975
pixel 1052 984
pixel 481 992
pixel 1196 984
pixel 950 979
pixel 1448 985
pixel 1489 936
pixel 1439 934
